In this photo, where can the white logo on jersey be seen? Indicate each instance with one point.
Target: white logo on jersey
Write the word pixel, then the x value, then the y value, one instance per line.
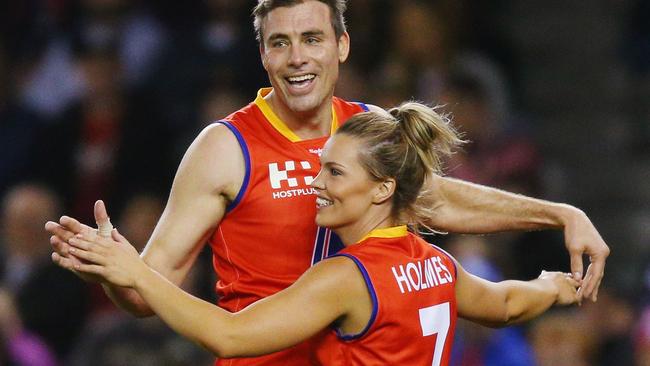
pixel 318 151
pixel 277 176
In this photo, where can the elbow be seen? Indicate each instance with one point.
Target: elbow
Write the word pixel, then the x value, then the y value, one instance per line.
pixel 504 319
pixel 222 346
pixel 222 340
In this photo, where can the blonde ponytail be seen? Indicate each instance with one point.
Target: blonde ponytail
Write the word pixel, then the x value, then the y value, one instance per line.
pixel 408 143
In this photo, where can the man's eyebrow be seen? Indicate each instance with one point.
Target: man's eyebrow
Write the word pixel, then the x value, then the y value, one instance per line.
pixel 309 33
pixel 313 33
pixel 275 36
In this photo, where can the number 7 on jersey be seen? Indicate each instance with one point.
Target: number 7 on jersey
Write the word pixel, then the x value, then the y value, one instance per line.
pixel 436 320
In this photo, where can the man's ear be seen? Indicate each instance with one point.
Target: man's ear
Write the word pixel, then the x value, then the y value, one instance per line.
pixel 384 191
pixel 263 56
pixel 344 47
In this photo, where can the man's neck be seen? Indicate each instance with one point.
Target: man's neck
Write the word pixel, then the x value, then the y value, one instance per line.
pixel 306 125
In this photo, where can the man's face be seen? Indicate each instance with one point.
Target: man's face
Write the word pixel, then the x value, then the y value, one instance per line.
pixel 301 54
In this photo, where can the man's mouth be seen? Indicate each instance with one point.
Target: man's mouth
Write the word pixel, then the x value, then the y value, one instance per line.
pixel 301 81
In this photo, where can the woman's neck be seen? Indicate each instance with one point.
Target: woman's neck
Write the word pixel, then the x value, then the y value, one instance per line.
pixel 352 234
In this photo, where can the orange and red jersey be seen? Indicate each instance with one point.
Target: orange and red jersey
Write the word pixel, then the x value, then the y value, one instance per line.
pixel 268 237
pixel 412 287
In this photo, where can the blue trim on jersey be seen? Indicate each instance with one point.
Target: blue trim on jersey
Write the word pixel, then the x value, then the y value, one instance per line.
pixel 326 244
pixel 336 245
pixel 363 106
pixel 247 162
pixel 319 244
pixel 451 258
pixel 373 297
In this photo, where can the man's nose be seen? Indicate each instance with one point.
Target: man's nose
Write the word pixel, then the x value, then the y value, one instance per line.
pixel 297 56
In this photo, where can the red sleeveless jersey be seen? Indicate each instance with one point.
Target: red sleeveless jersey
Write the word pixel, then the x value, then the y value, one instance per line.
pixel 412 287
pixel 268 237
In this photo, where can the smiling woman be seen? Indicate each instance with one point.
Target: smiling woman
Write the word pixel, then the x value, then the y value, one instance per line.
pixel 389 152
pixel 384 296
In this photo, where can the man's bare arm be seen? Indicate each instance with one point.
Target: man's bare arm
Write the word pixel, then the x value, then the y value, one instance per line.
pixel 465 207
pixel 209 175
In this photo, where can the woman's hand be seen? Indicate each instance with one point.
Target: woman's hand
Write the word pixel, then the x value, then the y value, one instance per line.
pixel 113 259
pixel 566 285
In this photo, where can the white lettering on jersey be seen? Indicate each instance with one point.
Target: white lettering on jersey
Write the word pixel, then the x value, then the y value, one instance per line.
pixel 422 275
pixel 318 151
pixel 277 176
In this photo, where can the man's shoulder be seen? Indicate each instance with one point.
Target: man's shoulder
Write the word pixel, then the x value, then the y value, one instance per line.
pixel 246 113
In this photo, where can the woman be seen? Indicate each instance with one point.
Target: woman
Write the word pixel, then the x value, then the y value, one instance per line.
pixel 389 297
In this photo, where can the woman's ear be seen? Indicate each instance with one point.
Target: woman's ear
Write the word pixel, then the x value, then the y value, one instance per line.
pixel 384 191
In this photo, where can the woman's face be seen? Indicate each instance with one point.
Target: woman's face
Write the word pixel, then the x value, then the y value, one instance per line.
pixel 346 191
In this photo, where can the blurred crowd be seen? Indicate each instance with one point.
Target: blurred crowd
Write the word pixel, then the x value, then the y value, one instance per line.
pixel 100 98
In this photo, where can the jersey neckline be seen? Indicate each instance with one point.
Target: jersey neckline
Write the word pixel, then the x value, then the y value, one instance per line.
pixel 387 232
pixel 279 124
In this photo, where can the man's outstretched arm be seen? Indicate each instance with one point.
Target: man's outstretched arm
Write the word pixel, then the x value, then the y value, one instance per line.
pixel 464 207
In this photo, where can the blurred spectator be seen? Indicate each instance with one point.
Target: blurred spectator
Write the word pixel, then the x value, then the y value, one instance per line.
pixel 501 154
pixel 495 155
pixel 612 320
pixel 55 82
pixel 118 340
pixel 563 339
pixel 108 142
pixel 642 338
pixel 475 345
pixel 31 276
pixel 216 51
pixel 19 347
pixel 18 127
pixel 25 208
pixel 425 51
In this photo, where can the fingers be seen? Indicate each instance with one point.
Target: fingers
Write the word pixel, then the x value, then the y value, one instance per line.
pixel 61 232
pixel 119 237
pixel 88 256
pixel 576 264
pixel 74 225
pixel 59 246
pixel 101 218
pixel 595 273
pixel 90 269
pixel 63 262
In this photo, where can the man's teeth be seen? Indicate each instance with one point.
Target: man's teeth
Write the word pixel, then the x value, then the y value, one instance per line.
pixel 322 202
pixel 299 79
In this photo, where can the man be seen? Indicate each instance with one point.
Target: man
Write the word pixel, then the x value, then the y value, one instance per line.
pixel 244 183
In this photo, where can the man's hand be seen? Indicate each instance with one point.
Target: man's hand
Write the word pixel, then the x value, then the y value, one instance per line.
pixel 67 228
pixel 582 238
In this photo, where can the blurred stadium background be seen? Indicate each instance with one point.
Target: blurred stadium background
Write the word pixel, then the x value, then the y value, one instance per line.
pixel 100 98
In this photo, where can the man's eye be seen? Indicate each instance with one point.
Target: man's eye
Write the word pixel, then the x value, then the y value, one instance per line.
pixel 312 40
pixel 276 44
pixel 334 171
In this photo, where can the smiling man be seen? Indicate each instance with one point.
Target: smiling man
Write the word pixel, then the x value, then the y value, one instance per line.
pixel 244 183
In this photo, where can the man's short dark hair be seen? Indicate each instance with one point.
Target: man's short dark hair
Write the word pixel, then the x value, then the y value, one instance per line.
pixel 264 7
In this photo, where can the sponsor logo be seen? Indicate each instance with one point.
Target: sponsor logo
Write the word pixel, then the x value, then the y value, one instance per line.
pixel 318 151
pixel 287 179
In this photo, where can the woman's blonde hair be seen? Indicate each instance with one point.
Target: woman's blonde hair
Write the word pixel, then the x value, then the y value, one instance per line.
pixel 407 143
